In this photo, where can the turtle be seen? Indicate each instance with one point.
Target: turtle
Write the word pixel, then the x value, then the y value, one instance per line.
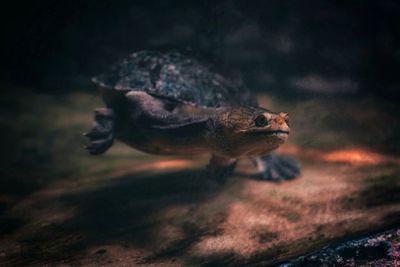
pixel 177 103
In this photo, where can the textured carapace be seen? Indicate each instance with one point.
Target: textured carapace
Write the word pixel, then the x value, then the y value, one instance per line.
pixel 176 76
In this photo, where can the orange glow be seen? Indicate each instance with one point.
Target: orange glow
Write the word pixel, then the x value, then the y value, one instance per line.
pixel 166 164
pixel 169 164
pixel 354 156
pixel 160 165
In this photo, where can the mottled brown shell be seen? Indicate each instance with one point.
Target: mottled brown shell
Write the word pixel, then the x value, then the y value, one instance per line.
pixel 175 76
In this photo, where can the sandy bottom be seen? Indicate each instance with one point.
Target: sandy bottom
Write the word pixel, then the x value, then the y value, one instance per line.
pixel 165 212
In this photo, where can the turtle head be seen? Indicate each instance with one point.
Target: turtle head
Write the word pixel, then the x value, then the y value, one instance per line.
pixel 250 131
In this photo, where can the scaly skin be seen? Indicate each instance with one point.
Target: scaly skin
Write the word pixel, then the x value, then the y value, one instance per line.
pixel 250 132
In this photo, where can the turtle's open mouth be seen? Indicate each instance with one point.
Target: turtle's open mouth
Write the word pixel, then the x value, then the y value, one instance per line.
pixel 269 133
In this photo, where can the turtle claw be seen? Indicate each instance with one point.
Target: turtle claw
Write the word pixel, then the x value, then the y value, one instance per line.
pixel 101 136
pixel 277 168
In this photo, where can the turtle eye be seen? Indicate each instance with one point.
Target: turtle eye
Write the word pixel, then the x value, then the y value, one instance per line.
pixel 261 121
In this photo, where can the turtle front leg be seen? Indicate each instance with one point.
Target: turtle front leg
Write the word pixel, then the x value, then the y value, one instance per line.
pixel 277 168
pixel 101 136
pixel 220 168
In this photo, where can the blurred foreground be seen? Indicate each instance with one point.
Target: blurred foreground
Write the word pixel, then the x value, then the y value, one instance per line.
pixel 59 205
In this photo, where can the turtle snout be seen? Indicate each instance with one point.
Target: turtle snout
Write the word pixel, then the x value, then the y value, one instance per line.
pixel 285 117
pixel 282 121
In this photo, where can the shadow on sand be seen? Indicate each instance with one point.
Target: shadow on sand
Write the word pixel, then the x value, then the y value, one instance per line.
pixel 126 212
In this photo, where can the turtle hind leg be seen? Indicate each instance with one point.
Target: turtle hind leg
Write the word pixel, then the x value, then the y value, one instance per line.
pixel 277 168
pixel 101 136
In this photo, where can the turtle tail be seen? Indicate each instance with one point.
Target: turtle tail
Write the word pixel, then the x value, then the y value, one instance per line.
pixel 101 136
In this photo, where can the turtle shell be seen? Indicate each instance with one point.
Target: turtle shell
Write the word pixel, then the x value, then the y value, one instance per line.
pixel 177 76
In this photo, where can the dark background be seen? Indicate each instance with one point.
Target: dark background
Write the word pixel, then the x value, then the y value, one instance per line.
pixel 295 47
